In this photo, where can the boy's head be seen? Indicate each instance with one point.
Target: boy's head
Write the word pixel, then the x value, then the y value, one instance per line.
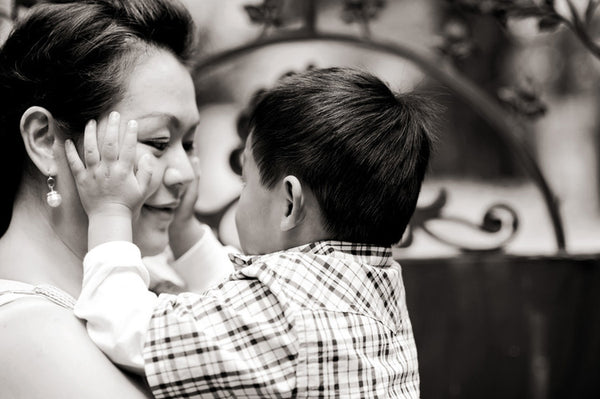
pixel 332 154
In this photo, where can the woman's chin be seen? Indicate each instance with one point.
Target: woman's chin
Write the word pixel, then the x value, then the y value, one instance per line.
pixel 152 244
pixel 152 251
pixel 151 234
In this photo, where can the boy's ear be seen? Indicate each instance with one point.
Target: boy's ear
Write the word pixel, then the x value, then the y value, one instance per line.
pixel 294 212
pixel 39 136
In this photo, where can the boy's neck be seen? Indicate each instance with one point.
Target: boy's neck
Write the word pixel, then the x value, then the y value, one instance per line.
pixel 310 231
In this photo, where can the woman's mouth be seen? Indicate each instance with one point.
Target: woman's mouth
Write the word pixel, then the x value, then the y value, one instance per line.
pixel 163 211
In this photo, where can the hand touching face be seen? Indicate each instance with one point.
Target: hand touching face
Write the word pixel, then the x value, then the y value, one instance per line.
pixel 160 96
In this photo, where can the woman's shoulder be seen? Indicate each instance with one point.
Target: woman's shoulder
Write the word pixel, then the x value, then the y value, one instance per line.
pixel 11 290
pixel 46 352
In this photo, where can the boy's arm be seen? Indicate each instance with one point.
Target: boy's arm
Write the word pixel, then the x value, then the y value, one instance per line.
pixel 205 264
pixel 116 303
pixel 114 299
pixel 237 338
pixel 200 259
pixel 240 328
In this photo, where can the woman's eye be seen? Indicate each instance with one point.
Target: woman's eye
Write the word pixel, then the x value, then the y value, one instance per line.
pixel 159 145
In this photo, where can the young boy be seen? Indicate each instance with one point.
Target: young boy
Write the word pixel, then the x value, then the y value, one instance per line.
pixel 332 170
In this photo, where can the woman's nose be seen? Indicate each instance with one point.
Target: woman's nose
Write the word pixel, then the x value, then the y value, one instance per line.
pixel 179 174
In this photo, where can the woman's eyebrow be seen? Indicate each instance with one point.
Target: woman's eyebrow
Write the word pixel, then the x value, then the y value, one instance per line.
pixel 170 119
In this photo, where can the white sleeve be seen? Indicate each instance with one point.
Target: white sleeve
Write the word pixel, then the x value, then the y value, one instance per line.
pixel 205 264
pixel 116 303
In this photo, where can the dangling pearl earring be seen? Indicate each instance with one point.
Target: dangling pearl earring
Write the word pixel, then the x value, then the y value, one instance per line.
pixel 53 198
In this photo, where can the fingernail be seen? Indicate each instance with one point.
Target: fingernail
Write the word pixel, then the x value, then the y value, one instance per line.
pixel 132 124
pixel 114 116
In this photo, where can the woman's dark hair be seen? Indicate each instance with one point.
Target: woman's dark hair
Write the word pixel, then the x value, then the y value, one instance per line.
pixel 360 148
pixel 72 58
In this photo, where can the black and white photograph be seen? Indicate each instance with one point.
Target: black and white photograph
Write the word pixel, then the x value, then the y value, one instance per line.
pixel 300 199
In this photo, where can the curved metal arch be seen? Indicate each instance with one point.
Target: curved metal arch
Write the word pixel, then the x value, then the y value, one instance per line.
pixel 510 131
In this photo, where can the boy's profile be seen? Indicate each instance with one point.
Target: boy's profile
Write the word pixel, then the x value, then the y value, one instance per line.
pixel 332 170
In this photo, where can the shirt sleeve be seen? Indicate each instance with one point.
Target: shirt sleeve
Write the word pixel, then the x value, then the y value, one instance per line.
pixel 205 264
pixel 237 338
pixel 116 303
pixel 163 277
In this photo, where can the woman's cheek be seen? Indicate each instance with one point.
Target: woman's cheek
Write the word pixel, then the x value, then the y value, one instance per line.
pixel 158 168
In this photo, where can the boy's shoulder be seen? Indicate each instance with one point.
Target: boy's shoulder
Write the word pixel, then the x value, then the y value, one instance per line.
pixel 277 261
pixel 325 275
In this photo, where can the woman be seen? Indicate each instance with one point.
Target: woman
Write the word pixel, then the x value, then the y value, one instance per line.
pixel 65 64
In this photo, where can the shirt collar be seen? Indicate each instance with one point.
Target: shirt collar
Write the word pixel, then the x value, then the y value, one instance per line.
pixel 362 253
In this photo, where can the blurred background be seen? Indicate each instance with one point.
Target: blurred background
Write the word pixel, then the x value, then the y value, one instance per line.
pixel 537 71
pixel 502 260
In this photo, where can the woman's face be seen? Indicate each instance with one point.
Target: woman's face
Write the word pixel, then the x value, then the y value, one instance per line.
pixel 160 97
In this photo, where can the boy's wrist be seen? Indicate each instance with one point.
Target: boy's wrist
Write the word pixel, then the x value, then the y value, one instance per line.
pixel 183 236
pixel 112 223
pixel 111 210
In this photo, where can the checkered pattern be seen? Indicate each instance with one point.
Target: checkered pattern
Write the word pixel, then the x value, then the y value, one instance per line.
pixel 327 319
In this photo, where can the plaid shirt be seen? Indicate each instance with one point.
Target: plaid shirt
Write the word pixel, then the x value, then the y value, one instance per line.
pixel 328 319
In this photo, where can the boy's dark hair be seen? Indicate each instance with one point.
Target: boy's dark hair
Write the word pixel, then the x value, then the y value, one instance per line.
pixel 360 148
pixel 73 58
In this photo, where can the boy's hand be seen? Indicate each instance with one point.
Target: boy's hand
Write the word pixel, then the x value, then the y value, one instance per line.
pixel 110 190
pixel 107 182
pixel 186 230
pixel 185 211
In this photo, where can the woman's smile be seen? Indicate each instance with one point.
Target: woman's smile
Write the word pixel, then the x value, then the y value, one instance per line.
pixel 162 211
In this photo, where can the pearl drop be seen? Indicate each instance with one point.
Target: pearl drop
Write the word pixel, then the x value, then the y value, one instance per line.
pixel 53 198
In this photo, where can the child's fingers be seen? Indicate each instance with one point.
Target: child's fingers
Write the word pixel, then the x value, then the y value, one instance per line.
pixel 90 144
pixel 110 144
pixel 196 166
pixel 127 153
pixel 73 159
pixel 144 171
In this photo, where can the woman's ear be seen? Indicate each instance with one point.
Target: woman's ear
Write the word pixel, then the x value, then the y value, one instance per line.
pixel 293 212
pixel 39 135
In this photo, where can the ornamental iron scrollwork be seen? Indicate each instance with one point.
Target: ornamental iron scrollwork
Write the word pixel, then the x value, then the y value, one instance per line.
pixel 498 226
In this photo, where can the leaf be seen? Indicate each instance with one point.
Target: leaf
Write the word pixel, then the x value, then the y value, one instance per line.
pixel 591 9
pixel 523 101
pixel 548 23
pixel 360 10
pixel 277 22
pixel 256 14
